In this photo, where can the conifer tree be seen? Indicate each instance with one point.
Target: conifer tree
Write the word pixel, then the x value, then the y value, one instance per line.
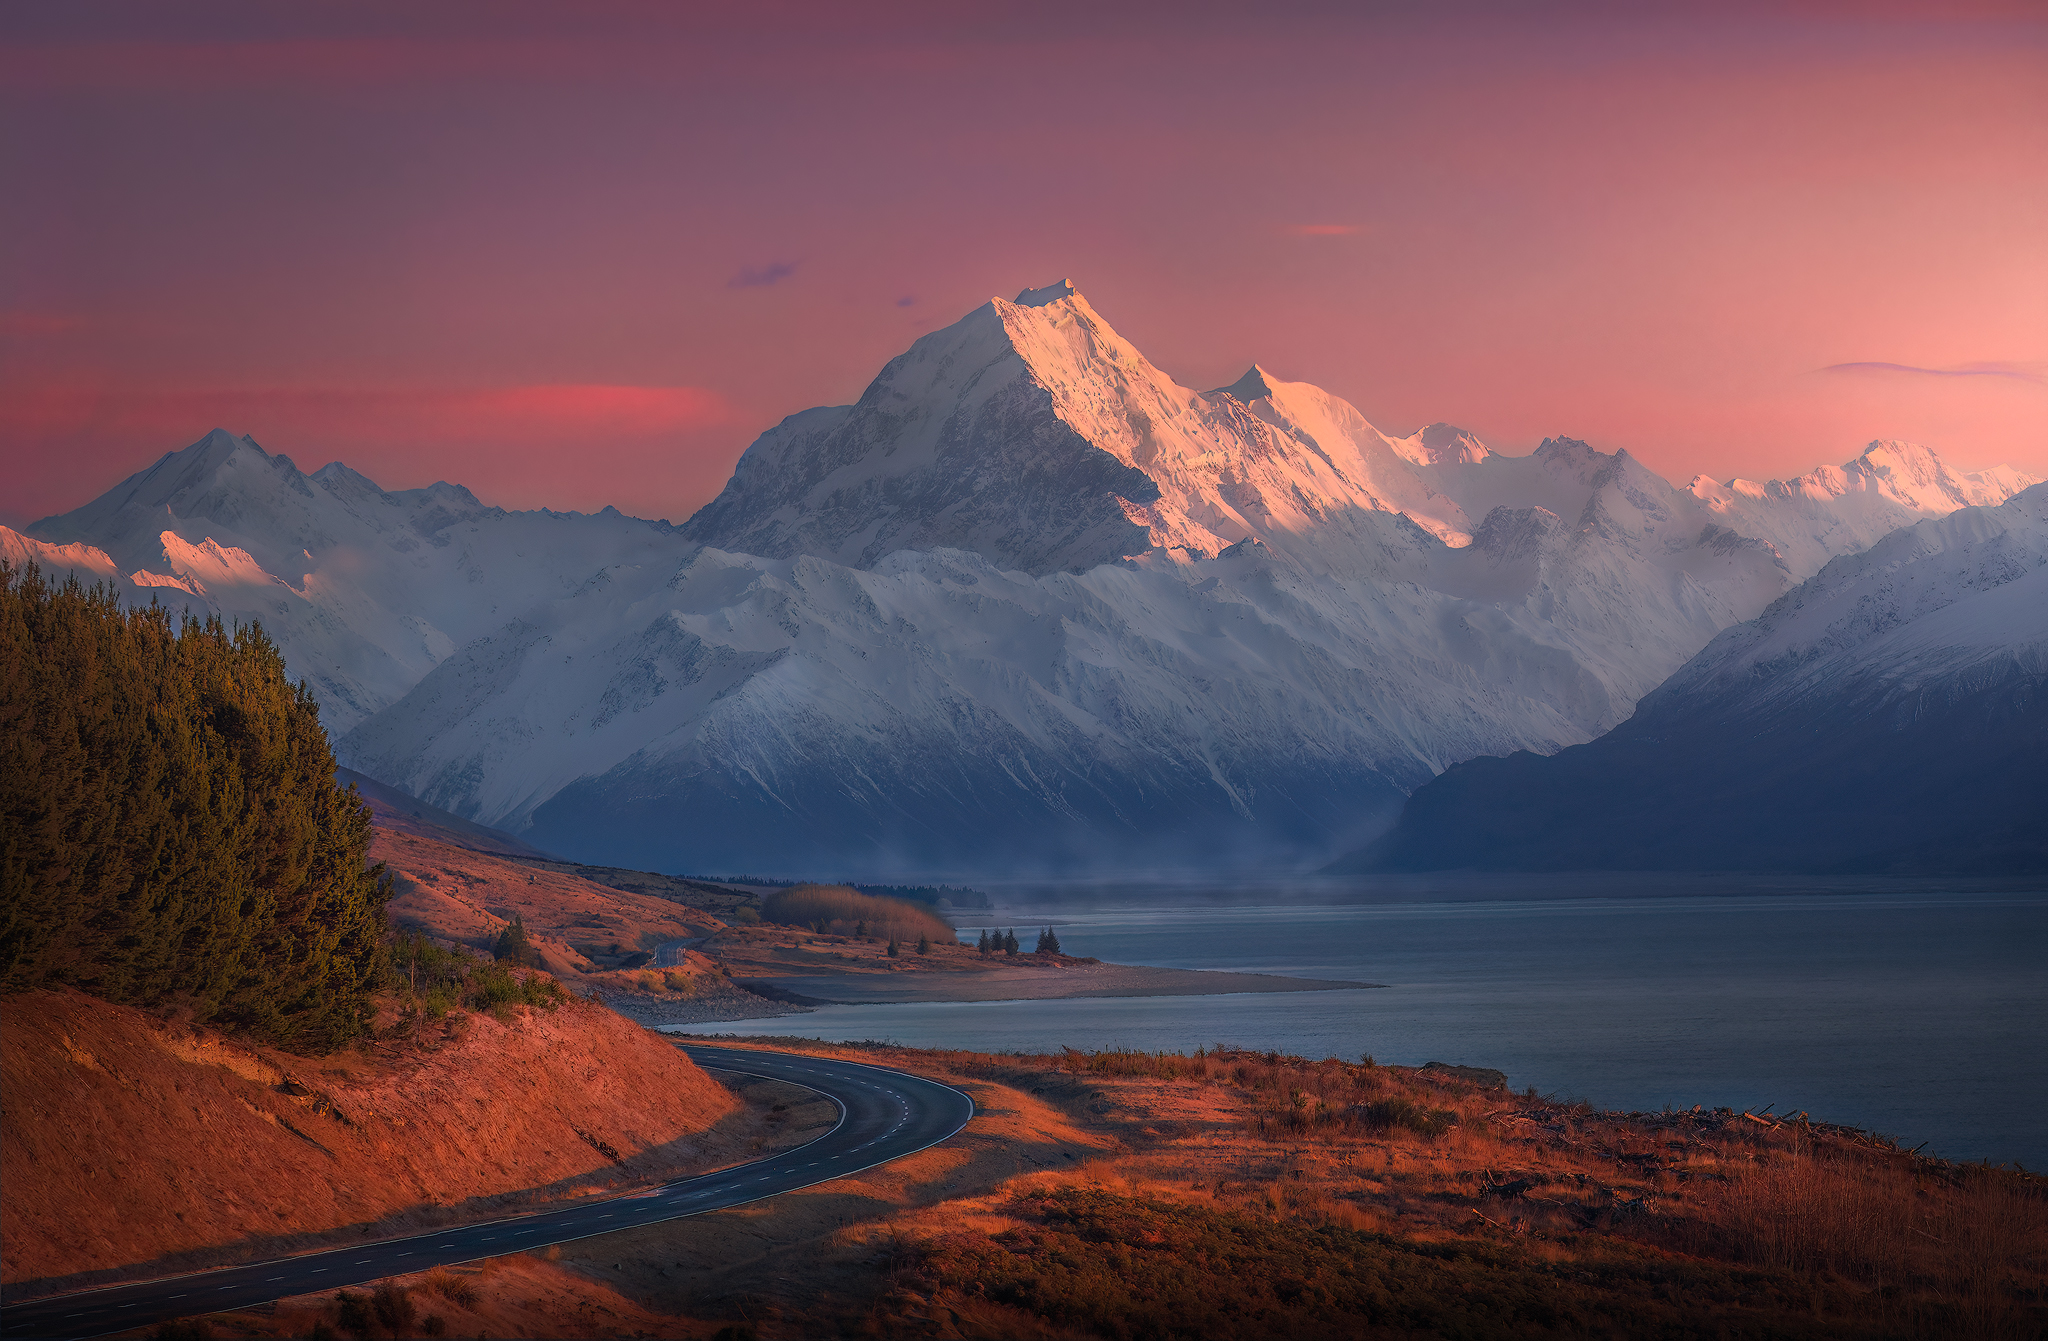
pixel 893 949
pixel 513 944
pixel 924 944
pixel 1048 944
pixel 1010 941
pixel 982 944
pixel 170 824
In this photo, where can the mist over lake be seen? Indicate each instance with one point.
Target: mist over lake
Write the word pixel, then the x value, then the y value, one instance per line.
pixel 1918 1012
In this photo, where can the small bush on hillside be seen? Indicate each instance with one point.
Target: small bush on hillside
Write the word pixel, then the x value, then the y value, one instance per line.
pixel 455 1289
pixel 182 1329
pixel 436 980
pixel 394 1308
pixel 352 1312
pixel 495 988
pixel 1384 1114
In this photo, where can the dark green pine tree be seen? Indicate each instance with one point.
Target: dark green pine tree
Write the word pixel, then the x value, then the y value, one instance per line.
pixel 169 821
pixel 514 945
pixel 1010 945
pixel 982 944
pixel 1048 944
pixel 924 944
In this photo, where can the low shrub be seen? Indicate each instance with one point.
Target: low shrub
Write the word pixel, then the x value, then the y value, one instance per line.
pixel 493 987
pixel 182 1329
pixel 352 1311
pixel 394 1308
pixel 1386 1114
pixel 455 1289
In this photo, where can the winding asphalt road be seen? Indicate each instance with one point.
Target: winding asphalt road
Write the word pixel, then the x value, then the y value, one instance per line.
pixel 884 1115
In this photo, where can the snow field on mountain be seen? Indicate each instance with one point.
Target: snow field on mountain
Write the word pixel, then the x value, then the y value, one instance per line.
pixel 1026 580
pixel 757 660
pixel 1927 600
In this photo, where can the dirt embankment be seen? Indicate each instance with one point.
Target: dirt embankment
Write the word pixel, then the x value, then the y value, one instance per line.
pixel 130 1143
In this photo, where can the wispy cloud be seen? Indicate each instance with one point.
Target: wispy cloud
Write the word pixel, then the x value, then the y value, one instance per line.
pixel 545 413
pixel 761 276
pixel 2019 372
pixel 30 325
pixel 1323 230
pixel 907 300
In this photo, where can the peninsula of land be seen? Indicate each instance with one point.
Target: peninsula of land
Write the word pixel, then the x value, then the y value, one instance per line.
pixel 668 950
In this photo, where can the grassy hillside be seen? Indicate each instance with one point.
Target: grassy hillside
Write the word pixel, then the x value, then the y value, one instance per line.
pixel 1240 1194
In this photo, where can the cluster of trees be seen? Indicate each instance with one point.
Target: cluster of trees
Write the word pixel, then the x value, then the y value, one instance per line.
pixel 1006 942
pixel 840 910
pixel 513 945
pixel 170 827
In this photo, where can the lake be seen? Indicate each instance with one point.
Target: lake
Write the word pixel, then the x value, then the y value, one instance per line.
pixel 1922 1014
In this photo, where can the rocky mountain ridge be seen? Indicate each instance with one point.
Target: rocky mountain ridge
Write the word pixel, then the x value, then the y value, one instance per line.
pixel 1027 601
pixel 1889 714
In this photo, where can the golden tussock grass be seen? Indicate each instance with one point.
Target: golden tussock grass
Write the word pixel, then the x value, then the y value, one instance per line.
pixel 1231 1193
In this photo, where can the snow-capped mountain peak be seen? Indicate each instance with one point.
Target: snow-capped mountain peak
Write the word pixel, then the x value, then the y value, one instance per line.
pixel 1051 293
pixel 1442 445
pixel 364 589
pixel 1093 453
pixel 1028 591
pixel 1248 388
pixel 1834 510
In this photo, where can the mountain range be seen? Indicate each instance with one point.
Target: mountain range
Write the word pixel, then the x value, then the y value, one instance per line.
pixel 1889 714
pixel 1028 605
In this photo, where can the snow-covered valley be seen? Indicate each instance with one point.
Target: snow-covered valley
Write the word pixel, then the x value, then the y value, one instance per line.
pixel 1028 604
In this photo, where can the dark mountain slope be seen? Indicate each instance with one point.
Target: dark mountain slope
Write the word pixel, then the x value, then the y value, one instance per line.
pixel 1891 714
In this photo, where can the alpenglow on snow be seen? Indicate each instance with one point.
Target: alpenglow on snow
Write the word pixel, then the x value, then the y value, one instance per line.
pixel 1029 604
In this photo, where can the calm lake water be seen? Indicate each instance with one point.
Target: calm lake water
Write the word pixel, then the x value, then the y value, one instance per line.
pixel 1922 1015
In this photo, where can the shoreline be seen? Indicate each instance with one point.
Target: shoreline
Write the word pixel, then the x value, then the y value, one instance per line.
pixel 770 997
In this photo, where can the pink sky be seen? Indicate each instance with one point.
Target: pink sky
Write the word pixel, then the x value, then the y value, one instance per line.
pixel 579 255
